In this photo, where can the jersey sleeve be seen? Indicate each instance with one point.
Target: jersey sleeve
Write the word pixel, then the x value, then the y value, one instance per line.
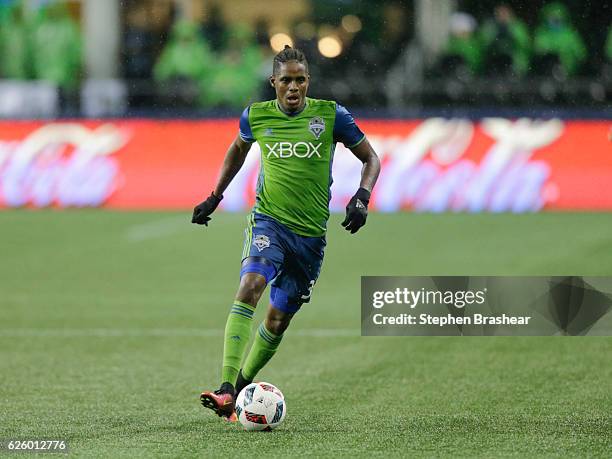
pixel 345 128
pixel 245 127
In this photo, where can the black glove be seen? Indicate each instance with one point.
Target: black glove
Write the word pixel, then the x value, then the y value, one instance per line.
pixel 357 211
pixel 202 211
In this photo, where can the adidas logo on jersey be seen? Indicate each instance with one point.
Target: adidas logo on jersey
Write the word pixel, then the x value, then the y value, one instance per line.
pixel 288 149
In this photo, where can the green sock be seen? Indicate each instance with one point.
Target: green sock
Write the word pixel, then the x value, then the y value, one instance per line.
pixel 264 347
pixel 237 335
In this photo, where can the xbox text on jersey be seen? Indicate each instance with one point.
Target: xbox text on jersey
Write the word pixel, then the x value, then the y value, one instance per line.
pixel 289 149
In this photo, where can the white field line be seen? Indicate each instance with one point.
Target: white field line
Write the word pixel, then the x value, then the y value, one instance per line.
pixel 157 332
pixel 158 228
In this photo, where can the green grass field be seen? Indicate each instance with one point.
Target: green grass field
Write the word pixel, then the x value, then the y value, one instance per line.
pixel 111 323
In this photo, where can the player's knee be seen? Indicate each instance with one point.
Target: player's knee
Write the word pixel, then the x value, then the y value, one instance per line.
pixel 277 325
pixel 277 321
pixel 252 286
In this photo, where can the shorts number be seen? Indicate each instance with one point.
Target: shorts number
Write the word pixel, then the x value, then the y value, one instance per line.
pixel 307 297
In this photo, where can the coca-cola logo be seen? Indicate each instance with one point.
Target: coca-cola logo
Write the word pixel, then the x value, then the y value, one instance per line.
pixel 62 164
pixel 426 170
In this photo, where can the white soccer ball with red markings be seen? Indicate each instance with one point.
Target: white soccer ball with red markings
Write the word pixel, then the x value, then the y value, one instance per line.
pixel 260 406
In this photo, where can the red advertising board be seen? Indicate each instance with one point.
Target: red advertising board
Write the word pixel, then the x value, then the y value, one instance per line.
pixel 434 164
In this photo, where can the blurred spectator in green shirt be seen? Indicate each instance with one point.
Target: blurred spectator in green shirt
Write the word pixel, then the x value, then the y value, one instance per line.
pixel 238 75
pixel 14 43
pixel 506 41
pixel 186 57
pixel 463 44
pixel 556 37
pixel 56 46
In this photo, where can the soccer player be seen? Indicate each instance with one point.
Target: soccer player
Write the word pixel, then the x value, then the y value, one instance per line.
pixel 285 236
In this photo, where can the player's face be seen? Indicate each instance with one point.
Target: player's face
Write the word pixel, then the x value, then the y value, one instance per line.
pixel 291 85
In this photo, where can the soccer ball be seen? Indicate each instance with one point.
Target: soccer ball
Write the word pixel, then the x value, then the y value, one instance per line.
pixel 260 406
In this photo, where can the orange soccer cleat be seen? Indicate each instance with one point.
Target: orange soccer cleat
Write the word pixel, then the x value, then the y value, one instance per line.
pixel 222 403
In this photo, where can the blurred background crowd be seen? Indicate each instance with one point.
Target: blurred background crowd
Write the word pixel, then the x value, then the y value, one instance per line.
pixel 112 57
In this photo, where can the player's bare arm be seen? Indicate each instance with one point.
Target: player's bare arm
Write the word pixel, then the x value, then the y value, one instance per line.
pixel 371 164
pixel 357 208
pixel 234 159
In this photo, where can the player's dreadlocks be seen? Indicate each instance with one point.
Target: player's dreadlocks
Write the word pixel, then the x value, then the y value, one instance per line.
pixel 286 55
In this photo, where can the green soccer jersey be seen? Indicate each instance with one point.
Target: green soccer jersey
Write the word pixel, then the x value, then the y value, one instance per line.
pixel 297 151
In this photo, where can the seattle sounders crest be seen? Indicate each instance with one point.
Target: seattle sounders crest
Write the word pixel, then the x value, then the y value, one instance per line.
pixel 316 126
